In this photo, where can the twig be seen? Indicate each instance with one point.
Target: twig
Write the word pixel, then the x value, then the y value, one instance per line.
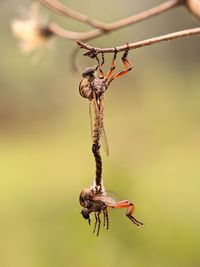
pixel 144 14
pixel 162 38
pixel 102 27
pixel 61 9
pixel 85 36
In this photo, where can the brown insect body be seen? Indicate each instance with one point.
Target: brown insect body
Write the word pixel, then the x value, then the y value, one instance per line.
pixel 93 89
pixel 91 85
pixel 95 200
pixel 98 202
pixel 91 202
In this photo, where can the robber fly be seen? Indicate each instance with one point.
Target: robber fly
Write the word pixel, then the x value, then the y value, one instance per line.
pixel 98 202
pixel 93 87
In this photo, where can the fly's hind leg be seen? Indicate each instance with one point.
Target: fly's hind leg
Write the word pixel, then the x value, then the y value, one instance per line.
pixel 113 65
pixel 129 213
pixel 128 65
pixel 130 209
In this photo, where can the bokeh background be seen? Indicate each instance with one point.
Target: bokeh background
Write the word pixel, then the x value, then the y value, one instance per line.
pixel 153 127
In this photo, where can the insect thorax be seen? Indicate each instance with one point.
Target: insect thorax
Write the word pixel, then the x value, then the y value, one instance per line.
pixel 87 201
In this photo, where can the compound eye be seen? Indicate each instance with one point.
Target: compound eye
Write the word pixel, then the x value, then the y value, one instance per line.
pixel 85 213
pixel 89 72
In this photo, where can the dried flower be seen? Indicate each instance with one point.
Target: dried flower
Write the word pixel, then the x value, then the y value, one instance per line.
pixel 31 33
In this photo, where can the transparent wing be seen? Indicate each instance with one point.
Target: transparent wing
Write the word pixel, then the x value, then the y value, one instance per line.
pixel 91 118
pixel 95 112
pixel 103 138
pixel 105 198
pixel 104 141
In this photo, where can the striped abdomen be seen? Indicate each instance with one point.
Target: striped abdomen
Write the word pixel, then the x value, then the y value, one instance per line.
pixel 98 119
pixel 85 89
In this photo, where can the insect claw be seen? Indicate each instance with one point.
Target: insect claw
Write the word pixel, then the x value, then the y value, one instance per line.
pixel 115 52
pixel 126 52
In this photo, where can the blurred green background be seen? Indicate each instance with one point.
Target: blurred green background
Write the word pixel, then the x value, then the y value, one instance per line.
pixel 152 120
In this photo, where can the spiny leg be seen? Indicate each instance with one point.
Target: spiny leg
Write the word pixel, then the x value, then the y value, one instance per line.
pixel 106 220
pixel 128 65
pixel 99 222
pixel 129 213
pixel 95 225
pixel 130 209
pixel 113 64
pixel 99 65
pixel 103 59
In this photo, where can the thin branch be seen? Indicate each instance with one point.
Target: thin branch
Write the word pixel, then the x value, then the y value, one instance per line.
pixel 61 9
pixel 110 26
pixel 72 35
pixel 144 15
pixel 151 41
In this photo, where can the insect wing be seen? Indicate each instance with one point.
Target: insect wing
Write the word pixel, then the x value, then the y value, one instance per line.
pixel 91 118
pixel 104 141
pixel 105 198
pixel 103 137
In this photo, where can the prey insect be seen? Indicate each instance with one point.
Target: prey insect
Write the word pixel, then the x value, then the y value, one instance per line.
pixel 98 202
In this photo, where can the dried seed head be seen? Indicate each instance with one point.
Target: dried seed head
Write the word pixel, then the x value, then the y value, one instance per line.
pixel 31 33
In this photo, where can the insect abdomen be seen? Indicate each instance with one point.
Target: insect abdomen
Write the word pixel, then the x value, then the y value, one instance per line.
pixel 85 90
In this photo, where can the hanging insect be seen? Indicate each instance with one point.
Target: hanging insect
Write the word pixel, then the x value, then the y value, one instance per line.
pixel 94 85
pixel 95 199
pixel 98 202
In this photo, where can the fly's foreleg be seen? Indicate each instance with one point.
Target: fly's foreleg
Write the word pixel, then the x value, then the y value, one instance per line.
pixel 105 219
pixel 128 65
pixel 98 222
pixel 113 65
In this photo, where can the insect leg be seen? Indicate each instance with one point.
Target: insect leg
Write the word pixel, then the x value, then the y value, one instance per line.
pixel 95 225
pixel 128 65
pixel 100 69
pixel 99 222
pixel 129 213
pixel 130 209
pixel 103 60
pixel 113 65
pixel 106 220
pixel 99 66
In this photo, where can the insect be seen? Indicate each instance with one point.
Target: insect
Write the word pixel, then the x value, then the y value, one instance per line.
pixel 93 87
pixel 98 202
pixel 95 198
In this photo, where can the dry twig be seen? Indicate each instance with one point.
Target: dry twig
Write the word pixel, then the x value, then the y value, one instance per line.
pixel 61 9
pixel 101 28
pixel 162 38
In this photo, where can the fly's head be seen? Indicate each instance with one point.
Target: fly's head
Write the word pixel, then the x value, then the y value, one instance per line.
pixel 89 73
pixel 86 201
